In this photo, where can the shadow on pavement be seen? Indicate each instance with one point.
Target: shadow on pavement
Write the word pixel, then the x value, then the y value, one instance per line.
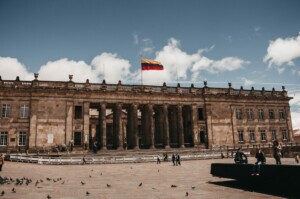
pixel 264 188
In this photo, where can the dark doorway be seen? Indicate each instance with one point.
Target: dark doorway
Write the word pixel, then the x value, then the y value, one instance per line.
pixel 77 139
pixel 202 137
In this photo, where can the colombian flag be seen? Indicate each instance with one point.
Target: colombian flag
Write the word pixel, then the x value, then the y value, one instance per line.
pixel 148 64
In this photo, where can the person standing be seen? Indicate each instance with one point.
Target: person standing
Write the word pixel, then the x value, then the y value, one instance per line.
pixel 83 160
pixel 158 159
pixel 173 159
pixel 1 161
pixel 178 160
pixel 297 158
pixel 277 152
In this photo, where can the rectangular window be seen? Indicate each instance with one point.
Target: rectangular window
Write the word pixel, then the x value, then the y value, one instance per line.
pixel 241 136
pixel 284 137
pixel 250 114
pixel 5 110
pixel 281 114
pixel 263 135
pixel 78 112
pixel 260 114
pixel 3 138
pixel 200 114
pixel 271 114
pixel 252 136
pixel 24 111
pixel 22 138
pixel 238 114
pixel 274 135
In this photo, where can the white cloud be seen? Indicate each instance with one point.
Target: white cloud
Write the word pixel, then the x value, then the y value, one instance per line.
pixel 295 107
pixel 111 67
pixel 247 82
pixel 60 70
pixel 178 63
pixel 283 51
pixel 10 68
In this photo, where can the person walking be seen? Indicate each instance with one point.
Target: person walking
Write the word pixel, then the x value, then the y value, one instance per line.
pixel 1 161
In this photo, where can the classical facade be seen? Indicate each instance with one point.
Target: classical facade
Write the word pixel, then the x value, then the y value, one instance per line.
pixel 37 114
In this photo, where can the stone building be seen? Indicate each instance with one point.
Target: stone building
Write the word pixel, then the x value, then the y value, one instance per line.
pixel 37 114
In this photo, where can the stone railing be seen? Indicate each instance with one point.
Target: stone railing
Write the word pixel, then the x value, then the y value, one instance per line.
pixel 141 88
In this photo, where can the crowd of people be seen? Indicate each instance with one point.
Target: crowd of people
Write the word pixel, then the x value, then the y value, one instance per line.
pixel 241 158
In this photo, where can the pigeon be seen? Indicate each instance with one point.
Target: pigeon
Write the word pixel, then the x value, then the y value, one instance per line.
pixel 13 190
pixel 82 183
pixel 108 185
pixel 193 187
pixel 87 193
pixel 48 179
pixel 140 184
pixel 173 185
pixel 48 196
pixel 186 193
pixel 36 183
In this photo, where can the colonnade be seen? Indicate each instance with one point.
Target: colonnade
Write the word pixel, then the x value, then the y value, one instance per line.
pixel 147 126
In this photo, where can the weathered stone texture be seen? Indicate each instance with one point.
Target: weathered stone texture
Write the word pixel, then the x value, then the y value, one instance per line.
pixel 137 116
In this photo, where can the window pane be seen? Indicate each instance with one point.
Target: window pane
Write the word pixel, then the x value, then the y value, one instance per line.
pixel 24 111
pixel 238 114
pixel 3 138
pixel 78 112
pixel 271 114
pixel 5 110
pixel 22 138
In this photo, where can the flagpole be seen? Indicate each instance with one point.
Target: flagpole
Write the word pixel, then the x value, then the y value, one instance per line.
pixel 141 76
pixel 141 70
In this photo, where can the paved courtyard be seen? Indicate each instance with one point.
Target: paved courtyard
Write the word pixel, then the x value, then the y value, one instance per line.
pixel 123 180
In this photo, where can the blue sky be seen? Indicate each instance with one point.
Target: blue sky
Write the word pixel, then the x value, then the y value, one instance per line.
pixel 249 43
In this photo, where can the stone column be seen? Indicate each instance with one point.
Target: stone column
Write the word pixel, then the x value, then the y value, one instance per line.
pixel 33 124
pixel 180 126
pixel 166 126
pixel 86 124
pixel 102 125
pixel 134 125
pixel 150 125
pixel 118 134
pixel 69 123
pixel 194 122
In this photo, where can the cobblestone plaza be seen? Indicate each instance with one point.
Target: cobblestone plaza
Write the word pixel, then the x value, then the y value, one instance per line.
pixel 74 181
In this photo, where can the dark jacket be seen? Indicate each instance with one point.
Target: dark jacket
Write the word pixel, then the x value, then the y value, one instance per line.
pixel 260 156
